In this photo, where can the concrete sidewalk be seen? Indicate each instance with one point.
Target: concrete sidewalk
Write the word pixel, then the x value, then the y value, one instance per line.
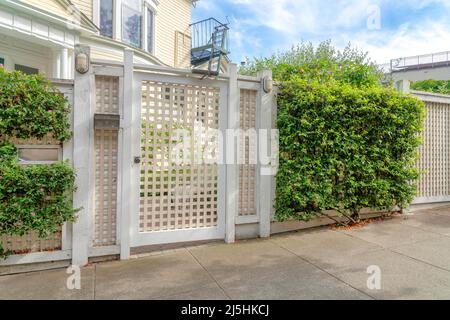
pixel 412 252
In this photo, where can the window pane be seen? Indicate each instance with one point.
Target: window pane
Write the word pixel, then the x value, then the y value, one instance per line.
pixel 106 17
pixel 38 154
pixel 131 26
pixel 134 4
pixel 25 69
pixel 149 30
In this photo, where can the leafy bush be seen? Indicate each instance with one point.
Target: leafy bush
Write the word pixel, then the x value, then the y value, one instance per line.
pixel 344 148
pixel 31 107
pixel 436 86
pixel 35 197
pixel 346 141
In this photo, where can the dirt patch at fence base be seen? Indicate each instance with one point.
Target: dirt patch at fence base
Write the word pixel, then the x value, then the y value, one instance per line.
pixel 364 222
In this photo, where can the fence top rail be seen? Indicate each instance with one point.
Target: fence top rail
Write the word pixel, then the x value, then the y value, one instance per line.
pixel 431 96
pixel 60 81
pixel 248 79
pixel 169 70
pixel 110 63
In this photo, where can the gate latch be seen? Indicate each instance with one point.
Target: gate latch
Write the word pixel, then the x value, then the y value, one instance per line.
pixel 137 160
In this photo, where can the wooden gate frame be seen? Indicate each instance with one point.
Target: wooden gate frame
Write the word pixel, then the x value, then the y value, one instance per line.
pixel 137 238
pixel 131 76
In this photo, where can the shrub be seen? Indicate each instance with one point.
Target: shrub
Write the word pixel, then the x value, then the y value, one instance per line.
pixel 346 141
pixel 321 63
pixel 31 107
pixel 35 197
pixel 345 148
pixel 436 86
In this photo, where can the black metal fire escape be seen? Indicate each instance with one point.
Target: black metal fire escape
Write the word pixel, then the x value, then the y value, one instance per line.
pixel 209 46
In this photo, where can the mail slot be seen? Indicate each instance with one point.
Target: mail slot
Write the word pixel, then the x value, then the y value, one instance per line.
pixel 106 121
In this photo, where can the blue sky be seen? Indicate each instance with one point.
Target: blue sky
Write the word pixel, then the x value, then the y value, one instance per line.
pixel 386 29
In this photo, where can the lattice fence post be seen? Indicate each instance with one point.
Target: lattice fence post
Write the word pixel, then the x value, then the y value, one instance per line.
pixel 266 104
pixel 127 155
pixel 82 135
pixel 232 203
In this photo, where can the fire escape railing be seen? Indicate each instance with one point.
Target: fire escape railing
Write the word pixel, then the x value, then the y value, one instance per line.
pixel 209 43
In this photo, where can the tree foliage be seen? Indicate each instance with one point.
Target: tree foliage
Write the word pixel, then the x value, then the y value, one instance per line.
pixel 322 63
pixel 436 86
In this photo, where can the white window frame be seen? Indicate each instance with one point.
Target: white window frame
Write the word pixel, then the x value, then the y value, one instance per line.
pixel 117 21
pixel 34 146
pixel 152 7
pixel 96 16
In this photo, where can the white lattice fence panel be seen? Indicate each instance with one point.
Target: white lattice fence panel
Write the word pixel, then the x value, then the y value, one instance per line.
pixel 106 164
pixel 106 154
pixel 434 161
pixel 31 242
pixel 247 150
pixel 107 94
pixel 176 196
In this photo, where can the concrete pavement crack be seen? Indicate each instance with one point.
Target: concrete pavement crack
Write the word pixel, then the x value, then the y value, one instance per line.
pixel 209 273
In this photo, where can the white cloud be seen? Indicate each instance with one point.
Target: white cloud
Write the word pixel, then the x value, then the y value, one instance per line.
pixel 294 16
pixel 408 40
pixel 343 21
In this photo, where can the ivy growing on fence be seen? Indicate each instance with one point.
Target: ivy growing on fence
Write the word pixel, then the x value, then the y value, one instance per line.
pixel 33 197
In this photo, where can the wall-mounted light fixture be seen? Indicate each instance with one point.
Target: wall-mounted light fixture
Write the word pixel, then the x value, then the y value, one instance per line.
pixel 267 84
pixel 82 59
pixel 82 62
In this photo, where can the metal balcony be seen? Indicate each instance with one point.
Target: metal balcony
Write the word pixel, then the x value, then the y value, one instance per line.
pixel 209 44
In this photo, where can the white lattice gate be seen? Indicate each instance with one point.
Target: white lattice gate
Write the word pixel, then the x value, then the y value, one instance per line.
pixel 178 201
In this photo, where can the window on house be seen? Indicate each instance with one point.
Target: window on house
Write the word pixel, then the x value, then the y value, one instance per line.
pixel 2 62
pixel 38 154
pixel 149 30
pixel 106 17
pixel 132 22
pixel 25 69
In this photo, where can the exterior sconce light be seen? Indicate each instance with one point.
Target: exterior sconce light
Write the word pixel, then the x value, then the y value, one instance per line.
pixel 267 84
pixel 82 62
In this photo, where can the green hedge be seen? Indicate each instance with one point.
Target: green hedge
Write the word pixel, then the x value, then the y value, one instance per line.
pixel 344 148
pixel 33 197
pixel 31 107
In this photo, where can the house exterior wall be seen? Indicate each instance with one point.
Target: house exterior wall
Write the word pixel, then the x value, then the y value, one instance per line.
pixel 85 6
pixel 48 5
pixel 437 73
pixel 172 40
pixel 173 16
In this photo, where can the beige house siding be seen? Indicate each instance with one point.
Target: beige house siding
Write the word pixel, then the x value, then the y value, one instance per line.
pixel 55 7
pixel 173 17
pixel 48 5
pixel 85 6
pixel 172 31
